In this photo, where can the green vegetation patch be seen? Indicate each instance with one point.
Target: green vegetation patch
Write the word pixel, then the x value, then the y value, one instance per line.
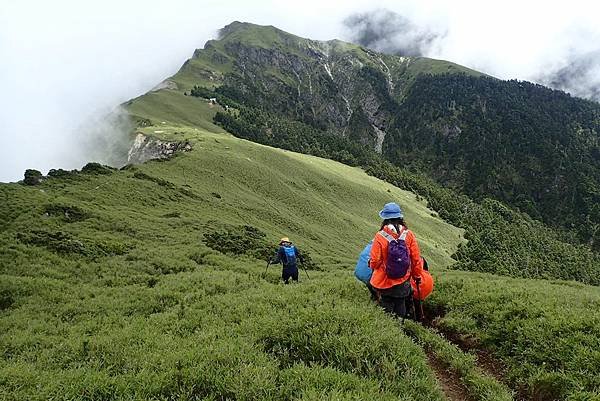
pixel 240 240
pixel 546 333
pixel 67 213
pixel 66 244
pixel 250 241
pixel 172 318
pixel 481 385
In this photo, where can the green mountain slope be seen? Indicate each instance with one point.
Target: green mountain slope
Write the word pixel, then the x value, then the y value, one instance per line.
pixel 336 86
pixel 109 289
pixel 535 148
pixel 520 143
pixel 113 287
pixel 149 282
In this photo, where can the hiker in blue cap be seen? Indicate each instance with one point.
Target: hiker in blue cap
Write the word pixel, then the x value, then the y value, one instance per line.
pixel 395 259
pixel 287 255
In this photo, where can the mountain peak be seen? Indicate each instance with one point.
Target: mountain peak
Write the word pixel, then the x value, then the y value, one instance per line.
pixel 256 35
pixel 233 27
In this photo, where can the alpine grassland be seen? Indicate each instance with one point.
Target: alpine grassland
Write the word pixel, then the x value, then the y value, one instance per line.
pixel 150 281
pixel 111 289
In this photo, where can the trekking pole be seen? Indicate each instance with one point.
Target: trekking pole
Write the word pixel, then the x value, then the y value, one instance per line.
pixel 305 271
pixel 267 268
pixel 420 300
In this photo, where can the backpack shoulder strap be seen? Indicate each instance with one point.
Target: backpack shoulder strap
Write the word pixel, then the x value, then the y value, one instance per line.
pixel 387 236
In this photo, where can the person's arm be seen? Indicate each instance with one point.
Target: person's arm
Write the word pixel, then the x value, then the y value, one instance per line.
pixel 376 256
pixel 299 255
pixel 416 263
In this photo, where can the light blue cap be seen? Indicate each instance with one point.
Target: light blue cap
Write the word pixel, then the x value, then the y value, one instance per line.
pixel 391 211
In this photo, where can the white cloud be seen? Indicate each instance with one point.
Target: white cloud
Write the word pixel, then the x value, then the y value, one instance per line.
pixel 63 61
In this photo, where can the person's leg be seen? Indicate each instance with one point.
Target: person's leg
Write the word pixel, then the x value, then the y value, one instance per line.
pixel 387 303
pixel 285 275
pixel 400 307
pixel 294 274
pixel 374 294
pixel 403 293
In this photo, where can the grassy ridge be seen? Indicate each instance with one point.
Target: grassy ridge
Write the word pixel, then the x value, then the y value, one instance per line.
pixel 167 317
pixel 164 306
pixel 531 370
pixel 172 107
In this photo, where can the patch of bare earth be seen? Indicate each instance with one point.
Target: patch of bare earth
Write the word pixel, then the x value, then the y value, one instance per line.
pixel 448 381
pixel 466 343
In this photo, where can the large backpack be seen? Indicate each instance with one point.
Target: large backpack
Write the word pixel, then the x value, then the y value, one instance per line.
pixel 362 271
pixel 398 258
pixel 290 255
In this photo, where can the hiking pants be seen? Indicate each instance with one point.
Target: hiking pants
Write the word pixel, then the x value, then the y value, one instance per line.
pixel 373 291
pixel 289 272
pixel 396 300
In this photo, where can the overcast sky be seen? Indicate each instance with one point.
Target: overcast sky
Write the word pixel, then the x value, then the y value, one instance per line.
pixel 64 61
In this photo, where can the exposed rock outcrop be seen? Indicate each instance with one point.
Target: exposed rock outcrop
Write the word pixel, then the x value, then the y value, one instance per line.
pixel 146 148
pixel 166 84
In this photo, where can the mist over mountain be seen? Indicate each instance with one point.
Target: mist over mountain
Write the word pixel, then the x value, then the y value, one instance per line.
pixel 580 77
pixel 389 32
pixel 68 62
pixel 572 69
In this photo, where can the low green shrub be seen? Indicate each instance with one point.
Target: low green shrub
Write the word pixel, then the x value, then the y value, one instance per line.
pixel 250 241
pixel 60 173
pixel 97 168
pixel 67 213
pixel 64 243
pixel 240 240
pixel 160 181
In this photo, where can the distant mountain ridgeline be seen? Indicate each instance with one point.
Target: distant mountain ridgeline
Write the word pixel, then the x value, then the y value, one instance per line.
pixel 535 148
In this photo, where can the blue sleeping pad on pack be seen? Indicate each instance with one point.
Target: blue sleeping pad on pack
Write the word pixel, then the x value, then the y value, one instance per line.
pixel 362 271
pixel 290 255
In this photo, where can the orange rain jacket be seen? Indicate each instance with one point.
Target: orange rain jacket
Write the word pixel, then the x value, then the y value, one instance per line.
pixel 378 256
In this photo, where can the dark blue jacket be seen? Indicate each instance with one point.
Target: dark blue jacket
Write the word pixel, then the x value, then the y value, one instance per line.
pixel 281 257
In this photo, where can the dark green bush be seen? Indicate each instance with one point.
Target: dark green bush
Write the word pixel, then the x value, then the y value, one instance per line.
pixel 250 241
pixel 60 173
pixel 32 177
pixel 143 122
pixel 67 213
pixel 64 243
pixel 96 168
pixel 163 183
pixel 240 240
pixel 6 299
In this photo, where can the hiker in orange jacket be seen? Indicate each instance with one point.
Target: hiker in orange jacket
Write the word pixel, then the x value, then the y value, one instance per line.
pixel 391 276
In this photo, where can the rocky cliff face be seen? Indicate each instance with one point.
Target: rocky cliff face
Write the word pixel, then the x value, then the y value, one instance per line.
pixel 145 148
pixel 335 86
pixel 322 84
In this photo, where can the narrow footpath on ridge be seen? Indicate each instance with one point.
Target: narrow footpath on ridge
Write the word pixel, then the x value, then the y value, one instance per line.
pixel 449 381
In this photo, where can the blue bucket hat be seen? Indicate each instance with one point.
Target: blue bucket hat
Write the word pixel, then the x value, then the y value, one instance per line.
pixel 391 211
